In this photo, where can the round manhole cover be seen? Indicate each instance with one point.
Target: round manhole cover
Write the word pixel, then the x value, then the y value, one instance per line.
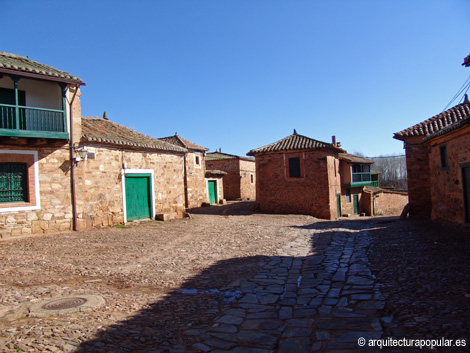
pixel 64 303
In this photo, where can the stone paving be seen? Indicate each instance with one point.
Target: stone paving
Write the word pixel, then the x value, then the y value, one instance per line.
pixel 319 293
pixel 308 299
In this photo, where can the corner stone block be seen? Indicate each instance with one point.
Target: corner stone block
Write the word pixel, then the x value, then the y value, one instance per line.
pixel 163 217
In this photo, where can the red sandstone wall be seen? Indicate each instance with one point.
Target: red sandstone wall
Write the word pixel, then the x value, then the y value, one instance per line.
pixel 247 187
pixel 447 189
pixel 277 193
pixel 389 204
pixel 99 186
pixel 232 179
pixel 55 213
pixel 419 183
pixel 196 181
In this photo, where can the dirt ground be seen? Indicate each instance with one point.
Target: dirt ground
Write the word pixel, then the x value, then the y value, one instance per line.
pixel 152 254
pixel 424 269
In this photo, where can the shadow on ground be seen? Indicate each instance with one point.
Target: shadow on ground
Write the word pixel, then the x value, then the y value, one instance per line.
pixel 426 287
pixel 232 208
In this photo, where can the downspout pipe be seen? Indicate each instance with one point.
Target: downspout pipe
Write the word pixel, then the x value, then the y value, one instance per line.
pixel 72 163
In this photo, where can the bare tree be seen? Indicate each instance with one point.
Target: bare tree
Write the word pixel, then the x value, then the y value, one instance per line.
pixel 392 171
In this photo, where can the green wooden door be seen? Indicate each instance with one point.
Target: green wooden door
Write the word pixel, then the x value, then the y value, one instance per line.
pixel 138 199
pixel 356 203
pixel 212 190
pixel 338 204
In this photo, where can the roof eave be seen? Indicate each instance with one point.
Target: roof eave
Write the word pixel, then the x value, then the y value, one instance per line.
pixel 41 76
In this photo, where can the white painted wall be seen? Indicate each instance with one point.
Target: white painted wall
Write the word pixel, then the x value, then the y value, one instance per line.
pixel 39 94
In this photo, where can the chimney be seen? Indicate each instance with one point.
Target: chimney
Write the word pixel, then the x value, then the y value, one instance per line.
pixel 105 116
pixel 333 140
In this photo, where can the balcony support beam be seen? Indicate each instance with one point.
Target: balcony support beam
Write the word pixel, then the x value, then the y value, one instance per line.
pixel 15 80
pixel 63 88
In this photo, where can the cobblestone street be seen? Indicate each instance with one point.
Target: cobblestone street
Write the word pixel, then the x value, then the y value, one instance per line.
pixel 232 281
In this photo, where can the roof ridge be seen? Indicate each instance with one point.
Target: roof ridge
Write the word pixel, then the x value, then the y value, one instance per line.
pixel 438 122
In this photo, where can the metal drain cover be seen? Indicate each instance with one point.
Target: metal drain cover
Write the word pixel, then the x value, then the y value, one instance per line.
pixel 65 305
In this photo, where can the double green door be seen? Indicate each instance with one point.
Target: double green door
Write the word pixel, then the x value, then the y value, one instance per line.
pixel 138 196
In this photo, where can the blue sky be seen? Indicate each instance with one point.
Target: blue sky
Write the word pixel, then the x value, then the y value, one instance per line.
pixel 239 74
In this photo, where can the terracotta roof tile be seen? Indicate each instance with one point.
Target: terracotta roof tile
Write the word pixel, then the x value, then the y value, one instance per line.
pixel 437 123
pixel 218 156
pixel 294 142
pixel 179 141
pixel 103 131
pixel 23 64
pixel 354 159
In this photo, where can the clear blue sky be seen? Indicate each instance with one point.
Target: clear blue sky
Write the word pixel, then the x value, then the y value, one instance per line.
pixel 240 74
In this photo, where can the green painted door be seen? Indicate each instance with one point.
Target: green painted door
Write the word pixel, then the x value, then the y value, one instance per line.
pixel 356 203
pixel 338 204
pixel 212 189
pixel 138 200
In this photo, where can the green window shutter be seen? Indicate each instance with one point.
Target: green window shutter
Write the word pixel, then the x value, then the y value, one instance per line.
pixel 13 182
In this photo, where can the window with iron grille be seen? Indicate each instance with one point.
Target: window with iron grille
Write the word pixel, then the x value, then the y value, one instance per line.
pixel 13 182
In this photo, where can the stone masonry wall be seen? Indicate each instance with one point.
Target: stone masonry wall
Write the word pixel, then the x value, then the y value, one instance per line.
pixel 231 179
pixel 419 182
pixel 195 179
pixel 389 203
pixel 99 184
pixel 447 189
pixel 55 213
pixel 248 180
pixel 277 193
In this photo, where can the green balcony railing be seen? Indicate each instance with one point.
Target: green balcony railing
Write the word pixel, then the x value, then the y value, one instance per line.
pixel 23 121
pixel 363 179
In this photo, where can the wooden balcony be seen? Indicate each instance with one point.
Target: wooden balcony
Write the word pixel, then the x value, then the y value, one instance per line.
pixel 21 121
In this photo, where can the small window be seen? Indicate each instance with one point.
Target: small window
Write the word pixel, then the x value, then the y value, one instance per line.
pixel 197 160
pixel 294 167
pixel 13 182
pixel 348 195
pixel 252 178
pixel 443 152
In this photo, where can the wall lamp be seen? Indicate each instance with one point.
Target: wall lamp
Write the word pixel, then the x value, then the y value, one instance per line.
pixel 81 153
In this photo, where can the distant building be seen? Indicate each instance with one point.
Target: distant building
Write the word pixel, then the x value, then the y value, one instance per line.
pixel 302 175
pixel 240 180
pixel 196 191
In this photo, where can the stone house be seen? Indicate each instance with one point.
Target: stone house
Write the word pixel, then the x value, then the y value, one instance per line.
pixel 438 163
pixel 196 185
pixel 60 172
pixel 302 175
pixel 240 180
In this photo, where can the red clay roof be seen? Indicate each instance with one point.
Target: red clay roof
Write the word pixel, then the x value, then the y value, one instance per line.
pixel 351 158
pixel 179 141
pixel 21 64
pixel 437 123
pixel 294 142
pixel 103 131
pixel 218 156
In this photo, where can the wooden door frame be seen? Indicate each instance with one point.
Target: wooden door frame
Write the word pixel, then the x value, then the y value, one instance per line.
pixel 124 172
pixel 356 196
pixel 216 190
